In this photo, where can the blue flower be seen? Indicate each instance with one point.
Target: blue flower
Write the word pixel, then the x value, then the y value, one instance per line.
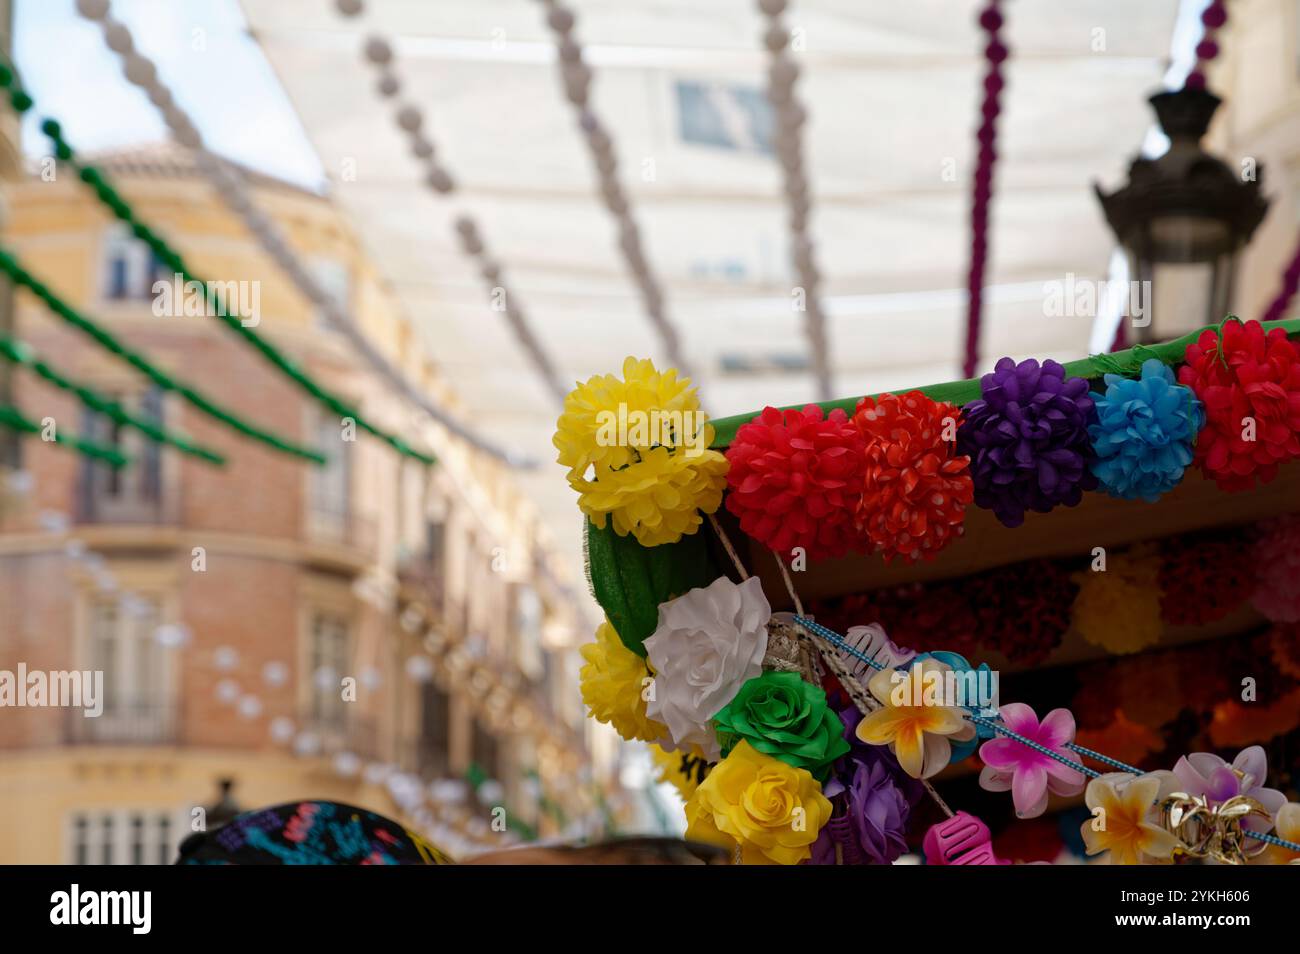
pixel 1144 433
pixel 958 664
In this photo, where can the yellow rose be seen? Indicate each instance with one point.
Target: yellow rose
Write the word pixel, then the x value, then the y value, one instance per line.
pixel 771 810
pixel 613 684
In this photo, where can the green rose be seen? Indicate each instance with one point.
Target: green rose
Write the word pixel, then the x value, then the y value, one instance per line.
pixel 781 715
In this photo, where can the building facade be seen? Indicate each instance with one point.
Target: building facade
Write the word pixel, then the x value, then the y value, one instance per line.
pixel 371 630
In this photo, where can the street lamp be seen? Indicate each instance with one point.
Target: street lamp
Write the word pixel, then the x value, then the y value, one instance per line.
pixel 1182 219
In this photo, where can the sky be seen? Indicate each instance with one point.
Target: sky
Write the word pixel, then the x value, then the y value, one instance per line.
pixel 203 52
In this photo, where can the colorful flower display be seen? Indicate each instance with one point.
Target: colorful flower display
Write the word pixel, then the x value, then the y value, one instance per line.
pixel 915 487
pixel 637 452
pixel 1145 431
pixel 748 730
pixel 1249 382
pixel 781 715
pixel 796 479
pixel 1027 439
pixel 768 810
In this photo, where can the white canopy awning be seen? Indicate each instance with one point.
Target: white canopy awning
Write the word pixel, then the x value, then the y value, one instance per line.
pixel 893 92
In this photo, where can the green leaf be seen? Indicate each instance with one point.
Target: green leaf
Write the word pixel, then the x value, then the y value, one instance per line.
pixel 629 581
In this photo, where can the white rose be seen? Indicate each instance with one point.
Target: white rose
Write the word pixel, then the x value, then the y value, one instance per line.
pixel 709 642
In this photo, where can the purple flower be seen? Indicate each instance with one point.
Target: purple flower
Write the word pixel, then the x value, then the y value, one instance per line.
pixel 1203 773
pixel 873 800
pixel 1027 438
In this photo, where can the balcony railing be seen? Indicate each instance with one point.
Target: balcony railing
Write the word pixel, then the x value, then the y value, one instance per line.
pixel 138 722
pixel 351 530
pixel 357 735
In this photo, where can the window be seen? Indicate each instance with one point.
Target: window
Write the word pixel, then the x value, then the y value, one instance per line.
pixel 336 280
pixel 130 494
pixel 528 629
pixel 122 836
pixel 138 701
pixel 328 493
pixel 435 731
pixel 738 118
pixel 130 267
pixel 329 660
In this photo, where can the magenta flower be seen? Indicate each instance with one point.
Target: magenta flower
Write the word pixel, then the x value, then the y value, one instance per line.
pixel 1027 773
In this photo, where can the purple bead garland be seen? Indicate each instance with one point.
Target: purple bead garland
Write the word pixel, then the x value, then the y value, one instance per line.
pixel 1213 18
pixel 1290 283
pixel 995 54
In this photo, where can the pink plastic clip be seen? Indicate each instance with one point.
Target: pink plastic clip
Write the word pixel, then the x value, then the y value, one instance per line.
pixel 960 840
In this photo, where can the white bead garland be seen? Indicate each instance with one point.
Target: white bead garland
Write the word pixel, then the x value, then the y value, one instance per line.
pixel 141 72
pixel 576 78
pixel 790 119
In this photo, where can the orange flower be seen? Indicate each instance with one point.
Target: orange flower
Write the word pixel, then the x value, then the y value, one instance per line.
pixel 916 489
pixel 1234 725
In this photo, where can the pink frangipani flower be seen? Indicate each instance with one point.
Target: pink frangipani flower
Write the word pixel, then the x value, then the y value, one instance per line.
pixel 1027 773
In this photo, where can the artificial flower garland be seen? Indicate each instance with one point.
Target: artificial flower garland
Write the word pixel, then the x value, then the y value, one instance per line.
pixel 889 480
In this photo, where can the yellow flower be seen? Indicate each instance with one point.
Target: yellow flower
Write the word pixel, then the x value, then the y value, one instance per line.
pixel 613 684
pixel 771 810
pixel 918 733
pixel 684 770
pixel 637 453
pixel 1118 608
pixel 1128 823
pixel 1287 827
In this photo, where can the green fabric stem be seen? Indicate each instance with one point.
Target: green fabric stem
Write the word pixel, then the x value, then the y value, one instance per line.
pixel 629 581
pixel 107 195
pixel 1127 363
pixel 19 354
pixel 10 266
pixel 15 420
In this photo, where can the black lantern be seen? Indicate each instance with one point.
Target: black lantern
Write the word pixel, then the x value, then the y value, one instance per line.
pixel 1182 219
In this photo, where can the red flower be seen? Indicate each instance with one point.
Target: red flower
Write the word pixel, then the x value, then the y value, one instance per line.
pixel 1250 385
pixel 795 480
pixel 915 488
pixel 1023 609
pixel 1204 576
